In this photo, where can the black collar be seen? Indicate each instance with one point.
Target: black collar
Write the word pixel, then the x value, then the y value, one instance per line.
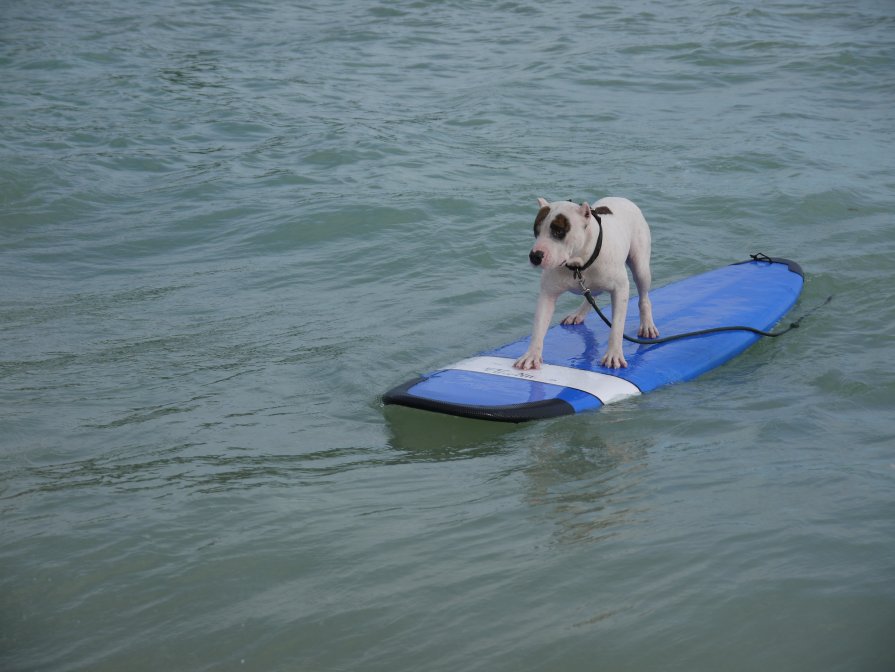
pixel 578 270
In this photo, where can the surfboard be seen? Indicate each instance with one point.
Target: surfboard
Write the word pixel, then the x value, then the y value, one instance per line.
pixel 754 293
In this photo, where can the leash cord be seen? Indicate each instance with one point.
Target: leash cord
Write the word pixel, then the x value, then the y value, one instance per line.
pixel 702 332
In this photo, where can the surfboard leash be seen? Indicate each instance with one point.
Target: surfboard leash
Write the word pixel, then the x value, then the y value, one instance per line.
pixel 702 332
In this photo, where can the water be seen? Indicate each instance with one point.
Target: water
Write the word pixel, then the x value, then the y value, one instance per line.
pixel 228 227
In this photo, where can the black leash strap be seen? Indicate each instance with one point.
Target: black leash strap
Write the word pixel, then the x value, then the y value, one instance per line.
pixel 578 270
pixel 701 332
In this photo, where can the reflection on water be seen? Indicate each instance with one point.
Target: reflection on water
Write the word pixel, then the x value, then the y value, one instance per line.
pixel 586 481
pixel 580 479
pixel 422 435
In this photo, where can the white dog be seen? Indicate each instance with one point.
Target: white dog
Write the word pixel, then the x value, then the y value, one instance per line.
pixel 597 242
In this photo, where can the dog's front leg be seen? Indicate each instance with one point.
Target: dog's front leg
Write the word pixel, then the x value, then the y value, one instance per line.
pixel 614 357
pixel 543 314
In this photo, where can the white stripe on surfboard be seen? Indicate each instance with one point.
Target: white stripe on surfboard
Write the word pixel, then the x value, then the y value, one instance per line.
pixel 604 387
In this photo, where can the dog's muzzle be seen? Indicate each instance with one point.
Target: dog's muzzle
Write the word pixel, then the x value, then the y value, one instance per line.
pixel 536 257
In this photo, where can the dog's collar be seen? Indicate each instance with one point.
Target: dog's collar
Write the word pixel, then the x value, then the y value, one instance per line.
pixel 578 270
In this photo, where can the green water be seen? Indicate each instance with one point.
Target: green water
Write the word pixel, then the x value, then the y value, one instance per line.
pixel 227 228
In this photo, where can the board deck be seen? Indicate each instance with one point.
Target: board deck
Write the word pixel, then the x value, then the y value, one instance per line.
pixel 754 293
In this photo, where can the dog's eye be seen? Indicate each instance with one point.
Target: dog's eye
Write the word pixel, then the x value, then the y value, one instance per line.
pixel 557 233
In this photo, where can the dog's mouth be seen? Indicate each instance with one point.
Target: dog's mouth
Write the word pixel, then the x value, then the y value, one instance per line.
pixel 559 264
pixel 544 262
pixel 541 266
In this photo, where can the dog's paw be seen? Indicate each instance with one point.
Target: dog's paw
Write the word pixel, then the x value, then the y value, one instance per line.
pixel 648 331
pixel 529 360
pixel 614 360
pixel 574 318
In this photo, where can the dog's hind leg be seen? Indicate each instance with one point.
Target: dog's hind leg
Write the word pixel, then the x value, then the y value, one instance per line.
pixel 640 269
pixel 578 316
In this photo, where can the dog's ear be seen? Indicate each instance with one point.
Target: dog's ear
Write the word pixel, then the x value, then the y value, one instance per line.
pixel 543 202
pixel 584 211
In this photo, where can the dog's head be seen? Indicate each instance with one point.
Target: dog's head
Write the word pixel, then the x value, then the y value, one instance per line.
pixel 560 234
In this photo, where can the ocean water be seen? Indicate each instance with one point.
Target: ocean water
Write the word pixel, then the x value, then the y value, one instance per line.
pixel 226 228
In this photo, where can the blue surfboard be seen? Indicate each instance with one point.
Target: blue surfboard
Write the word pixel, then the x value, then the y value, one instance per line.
pixel 755 293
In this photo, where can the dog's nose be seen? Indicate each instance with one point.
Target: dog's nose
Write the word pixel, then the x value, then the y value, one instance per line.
pixel 536 257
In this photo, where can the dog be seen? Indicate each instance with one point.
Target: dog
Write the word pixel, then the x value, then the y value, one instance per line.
pixel 567 238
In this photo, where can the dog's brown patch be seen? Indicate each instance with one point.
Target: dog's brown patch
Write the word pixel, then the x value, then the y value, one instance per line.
pixel 559 227
pixel 542 213
pixel 602 210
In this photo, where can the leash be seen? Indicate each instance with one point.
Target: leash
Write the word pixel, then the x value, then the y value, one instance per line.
pixel 690 334
pixel 578 270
